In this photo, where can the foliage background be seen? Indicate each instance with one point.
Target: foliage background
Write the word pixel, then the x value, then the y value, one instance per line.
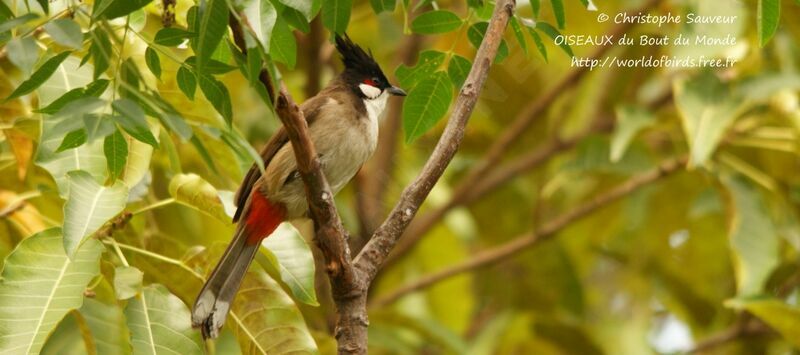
pixel 707 257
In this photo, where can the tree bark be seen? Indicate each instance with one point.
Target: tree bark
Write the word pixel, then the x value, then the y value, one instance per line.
pixel 374 254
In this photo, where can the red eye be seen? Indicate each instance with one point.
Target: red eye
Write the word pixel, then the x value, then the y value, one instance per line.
pixel 370 82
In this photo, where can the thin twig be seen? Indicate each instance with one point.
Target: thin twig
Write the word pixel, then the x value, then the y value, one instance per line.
pixel 374 254
pixel 505 251
pixel 521 123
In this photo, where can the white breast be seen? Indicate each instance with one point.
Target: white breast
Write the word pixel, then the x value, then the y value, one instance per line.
pixel 375 109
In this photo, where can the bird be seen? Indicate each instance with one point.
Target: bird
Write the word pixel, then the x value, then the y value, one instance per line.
pixel 343 123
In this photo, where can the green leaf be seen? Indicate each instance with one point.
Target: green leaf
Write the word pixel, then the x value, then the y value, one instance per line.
pixel 475 35
pixel 437 21
pixel 519 35
pixel 336 15
pixel 129 75
pixel 133 121
pixel 426 104
pixel 458 69
pixel 97 126
pixel 40 76
pixel 769 17
pixel 40 285
pixel 176 124
pixel 5 12
pixel 263 318
pixel 96 88
pixel 159 321
pixel 152 61
pixel 115 148
pixel 216 93
pixel 755 244
pixel 23 52
pixel 558 11
pixel 172 36
pixel 242 148
pixel 89 205
pixel 65 32
pixel 428 62
pixel 201 148
pixel 45 4
pixel 305 7
pixel 88 157
pixel 186 82
pixel 283 47
pixel 127 282
pixel 553 33
pixel 117 8
pixel 100 51
pixel 537 40
pixel 76 109
pixel 73 139
pixel 261 15
pixel 137 163
pixel 254 65
pixel 212 66
pixel 295 19
pixel 780 316
pixel 192 191
pixel 106 323
pixel 630 120
pixel 213 26
pixel 383 5
pixel 17 21
pixel 291 256
pixel 69 75
pixel 707 110
pixel 137 20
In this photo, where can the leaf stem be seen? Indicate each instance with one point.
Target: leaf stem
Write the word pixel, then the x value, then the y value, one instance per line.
pixel 157 48
pixel 113 243
pixel 153 255
pixel 155 205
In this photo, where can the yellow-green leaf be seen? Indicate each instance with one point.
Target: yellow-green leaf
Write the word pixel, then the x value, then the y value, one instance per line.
pixel 40 285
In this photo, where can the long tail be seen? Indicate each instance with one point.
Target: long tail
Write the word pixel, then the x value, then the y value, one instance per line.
pixel 214 301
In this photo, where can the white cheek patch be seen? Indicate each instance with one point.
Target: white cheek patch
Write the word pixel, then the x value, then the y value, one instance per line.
pixel 369 91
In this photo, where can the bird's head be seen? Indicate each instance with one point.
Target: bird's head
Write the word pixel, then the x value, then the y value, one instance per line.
pixel 362 73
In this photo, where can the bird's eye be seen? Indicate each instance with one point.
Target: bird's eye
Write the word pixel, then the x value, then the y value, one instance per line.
pixel 372 82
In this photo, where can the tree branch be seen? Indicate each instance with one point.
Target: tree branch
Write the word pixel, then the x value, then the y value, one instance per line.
pixel 479 189
pixel 349 290
pixel 372 257
pixel 517 245
pixel 469 190
pixel 747 326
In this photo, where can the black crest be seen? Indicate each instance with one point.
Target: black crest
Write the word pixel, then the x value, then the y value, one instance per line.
pixel 355 58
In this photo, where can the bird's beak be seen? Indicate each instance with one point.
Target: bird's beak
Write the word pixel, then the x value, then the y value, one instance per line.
pixel 396 91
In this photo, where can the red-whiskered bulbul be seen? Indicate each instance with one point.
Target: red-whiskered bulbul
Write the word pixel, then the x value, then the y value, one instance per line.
pixel 343 124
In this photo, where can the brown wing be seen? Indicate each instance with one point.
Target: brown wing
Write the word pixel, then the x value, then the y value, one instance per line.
pixel 310 110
